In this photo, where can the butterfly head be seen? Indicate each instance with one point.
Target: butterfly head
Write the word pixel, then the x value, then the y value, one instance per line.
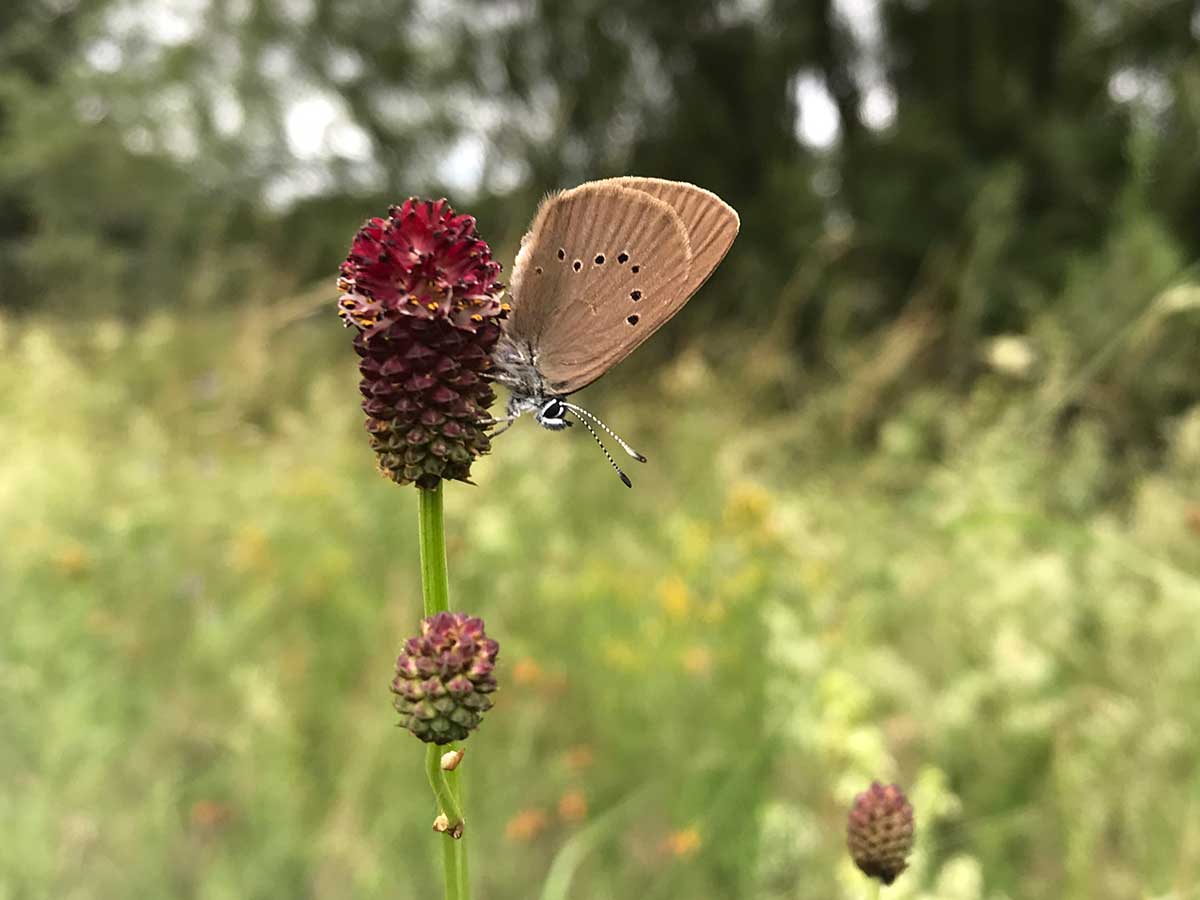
pixel 552 414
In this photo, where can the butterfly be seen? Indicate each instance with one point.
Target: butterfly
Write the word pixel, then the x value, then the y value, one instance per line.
pixel 603 266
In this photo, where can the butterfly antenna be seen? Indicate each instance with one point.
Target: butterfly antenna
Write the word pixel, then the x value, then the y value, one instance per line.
pixel 616 437
pixel 612 462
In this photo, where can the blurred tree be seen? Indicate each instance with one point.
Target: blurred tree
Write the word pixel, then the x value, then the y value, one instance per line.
pixel 114 197
pixel 29 31
pixel 982 151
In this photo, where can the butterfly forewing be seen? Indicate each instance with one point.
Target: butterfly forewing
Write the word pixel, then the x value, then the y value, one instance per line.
pixel 604 266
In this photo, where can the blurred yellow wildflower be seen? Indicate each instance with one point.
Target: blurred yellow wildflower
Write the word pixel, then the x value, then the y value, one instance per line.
pixel 572 806
pixel 675 598
pixel 525 826
pixel 683 842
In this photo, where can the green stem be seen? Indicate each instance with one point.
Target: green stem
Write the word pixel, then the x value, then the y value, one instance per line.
pixel 443 783
pixel 435 585
pixel 457 850
pixel 435 589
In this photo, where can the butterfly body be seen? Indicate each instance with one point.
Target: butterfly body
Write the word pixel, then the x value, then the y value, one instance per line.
pixel 603 267
pixel 516 369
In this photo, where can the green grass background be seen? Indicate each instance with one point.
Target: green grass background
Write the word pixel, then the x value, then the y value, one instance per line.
pixel 203 584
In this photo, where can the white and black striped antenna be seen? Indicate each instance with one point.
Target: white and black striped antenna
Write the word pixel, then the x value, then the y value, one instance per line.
pixel 612 462
pixel 579 410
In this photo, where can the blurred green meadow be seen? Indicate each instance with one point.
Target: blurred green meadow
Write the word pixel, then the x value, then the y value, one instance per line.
pixel 204 584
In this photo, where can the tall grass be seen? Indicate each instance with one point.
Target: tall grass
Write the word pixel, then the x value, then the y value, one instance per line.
pixel 203 584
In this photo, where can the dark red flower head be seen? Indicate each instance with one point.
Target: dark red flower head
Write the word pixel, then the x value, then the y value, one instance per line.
pixel 423 260
pixel 879 833
pixel 420 287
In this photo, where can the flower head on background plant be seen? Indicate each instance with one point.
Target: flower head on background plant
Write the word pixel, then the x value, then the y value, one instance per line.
pixel 420 288
pixel 444 676
pixel 880 831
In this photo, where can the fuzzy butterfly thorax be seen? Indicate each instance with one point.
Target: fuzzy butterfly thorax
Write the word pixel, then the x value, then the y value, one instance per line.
pixel 603 267
pixel 516 369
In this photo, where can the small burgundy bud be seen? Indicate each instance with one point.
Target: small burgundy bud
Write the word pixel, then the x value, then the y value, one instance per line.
pixel 879 833
pixel 444 678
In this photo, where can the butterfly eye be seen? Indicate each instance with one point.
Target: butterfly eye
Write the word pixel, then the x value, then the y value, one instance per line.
pixel 632 320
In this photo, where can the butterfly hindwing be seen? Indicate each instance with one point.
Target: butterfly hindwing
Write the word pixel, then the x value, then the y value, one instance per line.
pixel 711 223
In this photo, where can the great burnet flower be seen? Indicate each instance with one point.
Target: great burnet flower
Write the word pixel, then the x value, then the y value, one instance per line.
pixel 444 677
pixel 880 831
pixel 420 288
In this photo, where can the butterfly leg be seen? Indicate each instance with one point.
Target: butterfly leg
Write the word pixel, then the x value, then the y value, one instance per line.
pixel 505 423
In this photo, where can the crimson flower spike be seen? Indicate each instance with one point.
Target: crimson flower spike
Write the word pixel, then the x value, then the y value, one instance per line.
pixel 420 288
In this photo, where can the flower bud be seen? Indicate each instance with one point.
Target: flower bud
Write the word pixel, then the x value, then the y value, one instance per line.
pixel 444 678
pixel 879 833
pixel 451 759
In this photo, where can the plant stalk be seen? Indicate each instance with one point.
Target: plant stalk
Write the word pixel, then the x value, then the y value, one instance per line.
pixel 435 591
pixel 435 584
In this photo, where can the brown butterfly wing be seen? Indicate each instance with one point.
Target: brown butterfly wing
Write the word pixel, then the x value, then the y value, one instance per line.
pixel 711 223
pixel 602 269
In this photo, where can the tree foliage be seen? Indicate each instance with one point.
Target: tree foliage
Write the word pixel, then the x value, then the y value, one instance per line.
pixel 987 153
